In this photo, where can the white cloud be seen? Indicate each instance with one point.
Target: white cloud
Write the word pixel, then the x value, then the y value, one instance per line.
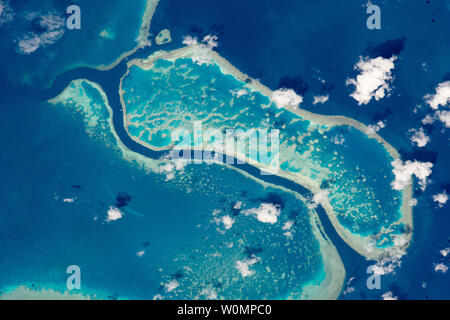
pixel 440 198
pixel 266 212
pixel 244 266
pixel 348 290
pixel 53 26
pixel 189 41
pixel 441 97
pixel 444 117
pixel 113 214
pixel 171 285
pixel 445 252
pixel 388 296
pixel 440 267
pixel 404 172
pixel 209 42
pixel 317 198
pixel 287 226
pixel 237 205
pixel 320 99
pixel 413 202
pixel 374 79
pixel 373 128
pixel 286 98
pixel 140 253
pixel 419 137
pixel 209 293
pixel 227 221
pixel 428 119
pixel 171 167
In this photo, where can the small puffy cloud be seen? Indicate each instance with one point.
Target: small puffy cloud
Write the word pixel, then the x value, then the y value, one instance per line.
pixel 440 267
pixel 266 212
pixel 388 296
pixel 404 171
pixel 113 214
pixel 441 97
pixel 444 117
pixel 227 221
pixel 413 202
pixel 172 166
pixel 69 200
pixel 189 41
pixel 287 226
pixel 237 205
pixel 428 119
pixel 320 99
pixel 419 138
pixel 286 98
pixel 243 266
pixel 317 198
pixel 445 252
pixel 140 253
pixel 208 42
pixel 374 79
pixel 348 290
pixel 440 198
pixel 171 285
pixel 373 128
pixel 209 292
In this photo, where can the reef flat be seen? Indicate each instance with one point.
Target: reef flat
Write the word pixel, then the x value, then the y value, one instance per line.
pixel 249 238
pixel 346 167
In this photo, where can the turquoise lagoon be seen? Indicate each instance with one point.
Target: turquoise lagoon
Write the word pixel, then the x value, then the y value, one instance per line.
pixel 324 154
pixel 182 247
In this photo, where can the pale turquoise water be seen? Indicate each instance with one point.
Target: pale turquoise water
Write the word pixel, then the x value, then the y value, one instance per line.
pixel 179 234
pixel 356 171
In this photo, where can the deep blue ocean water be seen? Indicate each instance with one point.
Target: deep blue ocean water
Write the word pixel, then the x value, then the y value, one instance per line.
pixel 47 154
